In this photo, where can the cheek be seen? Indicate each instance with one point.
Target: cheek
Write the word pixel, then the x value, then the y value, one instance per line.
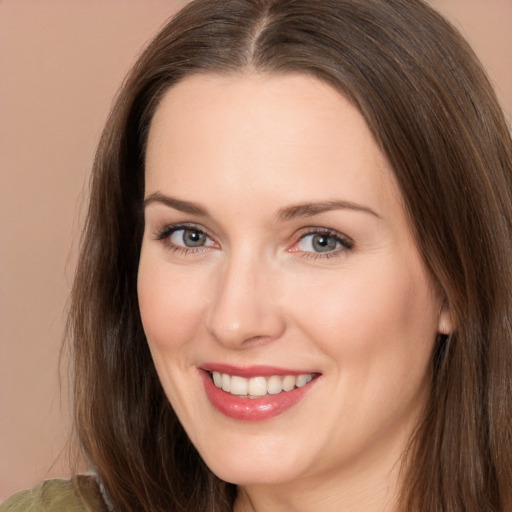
pixel 377 328
pixel 170 306
pixel 372 316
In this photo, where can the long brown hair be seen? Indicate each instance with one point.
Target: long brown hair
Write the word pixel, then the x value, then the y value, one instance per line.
pixel 433 112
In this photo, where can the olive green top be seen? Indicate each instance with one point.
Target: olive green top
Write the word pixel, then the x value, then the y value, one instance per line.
pixel 80 494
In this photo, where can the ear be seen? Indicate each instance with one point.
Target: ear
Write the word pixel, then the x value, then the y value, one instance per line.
pixel 445 320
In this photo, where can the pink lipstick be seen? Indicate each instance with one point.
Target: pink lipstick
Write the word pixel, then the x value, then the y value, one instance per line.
pixel 254 393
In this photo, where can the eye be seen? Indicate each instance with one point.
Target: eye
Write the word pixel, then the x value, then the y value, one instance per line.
pixel 323 243
pixel 189 237
pixel 318 242
pixel 184 239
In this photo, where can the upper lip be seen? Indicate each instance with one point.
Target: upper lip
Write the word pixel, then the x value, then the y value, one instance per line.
pixel 252 371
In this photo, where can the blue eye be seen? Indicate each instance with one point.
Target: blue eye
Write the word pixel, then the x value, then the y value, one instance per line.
pixel 323 242
pixel 190 237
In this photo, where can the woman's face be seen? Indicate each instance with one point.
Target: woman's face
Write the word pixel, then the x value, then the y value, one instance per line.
pixel 276 254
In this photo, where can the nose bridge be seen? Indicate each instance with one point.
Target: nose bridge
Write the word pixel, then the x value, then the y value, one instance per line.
pixel 243 306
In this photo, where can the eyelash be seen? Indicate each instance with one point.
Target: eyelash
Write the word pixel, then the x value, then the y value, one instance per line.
pixel 164 235
pixel 346 244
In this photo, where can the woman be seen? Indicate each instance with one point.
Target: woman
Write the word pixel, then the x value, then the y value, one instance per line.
pixel 293 290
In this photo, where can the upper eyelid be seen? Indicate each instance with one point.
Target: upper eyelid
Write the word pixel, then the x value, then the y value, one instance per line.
pixel 167 229
pixel 346 243
pixel 314 230
pixel 163 235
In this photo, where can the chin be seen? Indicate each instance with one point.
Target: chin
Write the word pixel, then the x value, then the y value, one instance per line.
pixel 245 474
pixel 253 465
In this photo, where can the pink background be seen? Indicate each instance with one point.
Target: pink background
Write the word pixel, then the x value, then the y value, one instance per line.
pixel 61 63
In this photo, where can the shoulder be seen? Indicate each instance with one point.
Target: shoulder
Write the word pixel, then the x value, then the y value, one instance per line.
pixel 81 493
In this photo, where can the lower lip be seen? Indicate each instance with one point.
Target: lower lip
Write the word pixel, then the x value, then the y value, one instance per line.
pixel 252 409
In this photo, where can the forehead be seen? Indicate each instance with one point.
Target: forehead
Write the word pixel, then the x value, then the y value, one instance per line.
pixel 289 133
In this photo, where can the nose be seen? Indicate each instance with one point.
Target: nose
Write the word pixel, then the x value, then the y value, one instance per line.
pixel 244 307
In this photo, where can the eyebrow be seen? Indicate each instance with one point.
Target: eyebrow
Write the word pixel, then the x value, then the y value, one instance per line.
pixel 177 204
pixel 311 209
pixel 284 214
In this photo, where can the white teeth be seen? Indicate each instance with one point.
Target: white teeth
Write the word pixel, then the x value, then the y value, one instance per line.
pixel 274 385
pixel 226 382
pixel 217 379
pixel 259 386
pixel 238 385
pixel 289 383
pixel 302 380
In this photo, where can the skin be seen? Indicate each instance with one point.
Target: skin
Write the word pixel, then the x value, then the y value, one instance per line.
pixel 245 147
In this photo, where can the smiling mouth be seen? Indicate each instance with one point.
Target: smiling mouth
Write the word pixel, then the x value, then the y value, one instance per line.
pixel 257 387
